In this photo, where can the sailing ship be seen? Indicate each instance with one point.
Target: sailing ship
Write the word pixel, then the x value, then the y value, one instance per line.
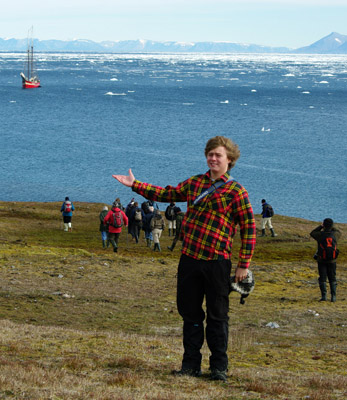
pixel 31 80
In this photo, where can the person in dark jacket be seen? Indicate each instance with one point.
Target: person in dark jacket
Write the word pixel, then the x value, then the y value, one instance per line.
pixel 136 218
pixel 147 226
pixel 67 208
pixel 179 218
pixel 266 218
pixel 104 228
pixel 171 217
pixel 113 231
pixel 326 268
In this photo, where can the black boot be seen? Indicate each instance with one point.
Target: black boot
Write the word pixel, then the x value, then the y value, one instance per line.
pixel 158 247
pixel 104 244
pixel 323 290
pixel 263 232
pixel 155 246
pixel 273 234
pixel 333 291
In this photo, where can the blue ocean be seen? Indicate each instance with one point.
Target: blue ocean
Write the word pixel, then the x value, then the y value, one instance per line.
pixel 100 114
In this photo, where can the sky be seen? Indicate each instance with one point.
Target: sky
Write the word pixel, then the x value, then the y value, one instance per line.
pixel 288 23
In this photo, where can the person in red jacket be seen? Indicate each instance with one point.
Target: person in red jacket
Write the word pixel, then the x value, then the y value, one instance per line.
pixel 115 219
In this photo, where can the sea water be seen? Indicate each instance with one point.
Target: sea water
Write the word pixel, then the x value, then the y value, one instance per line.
pixel 100 114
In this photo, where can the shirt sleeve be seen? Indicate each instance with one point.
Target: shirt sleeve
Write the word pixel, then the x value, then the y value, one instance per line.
pixel 163 195
pixel 244 216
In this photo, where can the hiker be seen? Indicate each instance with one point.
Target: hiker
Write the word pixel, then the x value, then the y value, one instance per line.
pixel 135 218
pixel 128 211
pixel 146 226
pixel 157 226
pixel 267 213
pixel 104 228
pixel 119 204
pixel 66 209
pixel 179 215
pixel 216 204
pixel 115 219
pixel 326 236
pixel 170 216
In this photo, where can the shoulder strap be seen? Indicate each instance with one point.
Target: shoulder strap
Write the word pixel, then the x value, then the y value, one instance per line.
pixel 211 189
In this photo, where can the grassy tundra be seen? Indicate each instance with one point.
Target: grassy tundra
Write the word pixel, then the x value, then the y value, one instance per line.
pixel 80 322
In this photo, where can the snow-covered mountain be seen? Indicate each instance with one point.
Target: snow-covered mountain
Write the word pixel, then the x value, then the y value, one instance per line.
pixel 331 44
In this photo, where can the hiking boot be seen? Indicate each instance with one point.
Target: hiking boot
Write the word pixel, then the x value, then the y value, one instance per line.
pixel 262 232
pixel 218 375
pixel 115 249
pixel 188 372
pixel 273 234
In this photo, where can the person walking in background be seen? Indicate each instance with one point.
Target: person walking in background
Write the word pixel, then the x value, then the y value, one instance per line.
pixel 179 218
pixel 136 217
pixel 128 211
pixel 171 217
pixel 157 226
pixel 267 213
pixel 216 204
pixel 147 226
pixel 115 219
pixel 104 228
pixel 326 236
pixel 66 209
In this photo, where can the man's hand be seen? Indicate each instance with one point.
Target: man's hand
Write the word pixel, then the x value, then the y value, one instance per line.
pixel 126 180
pixel 240 274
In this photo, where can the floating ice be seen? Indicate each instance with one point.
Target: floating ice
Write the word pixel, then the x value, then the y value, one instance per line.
pixel 115 94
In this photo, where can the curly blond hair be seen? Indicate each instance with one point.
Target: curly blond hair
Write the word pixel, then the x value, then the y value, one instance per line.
pixel 232 149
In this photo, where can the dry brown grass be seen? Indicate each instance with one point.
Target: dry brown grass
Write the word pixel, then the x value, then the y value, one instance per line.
pixel 78 322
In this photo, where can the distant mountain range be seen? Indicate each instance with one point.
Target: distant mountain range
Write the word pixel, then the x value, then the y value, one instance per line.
pixel 334 43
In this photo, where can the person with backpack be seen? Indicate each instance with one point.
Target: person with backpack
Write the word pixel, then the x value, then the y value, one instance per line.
pixel 157 226
pixel 136 218
pixel 326 236
pixel 171 217
pixel 104 228
pixel 66 210
pixel 267 213
pixel 216 206
pixel 179 214
pixel 146 226
pixel 115 219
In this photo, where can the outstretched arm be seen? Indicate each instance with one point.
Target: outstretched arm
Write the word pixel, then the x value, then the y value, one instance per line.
pixel 126 180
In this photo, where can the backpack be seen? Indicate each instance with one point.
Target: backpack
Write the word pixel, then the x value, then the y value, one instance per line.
pixel 67 206
pixel 138 215
pixel 327 247
pixel 117 219
pixel 270 210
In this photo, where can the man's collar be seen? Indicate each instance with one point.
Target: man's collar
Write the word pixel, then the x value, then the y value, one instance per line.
pixel 224 177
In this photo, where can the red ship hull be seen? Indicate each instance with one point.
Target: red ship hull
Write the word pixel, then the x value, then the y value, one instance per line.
pixel 30 85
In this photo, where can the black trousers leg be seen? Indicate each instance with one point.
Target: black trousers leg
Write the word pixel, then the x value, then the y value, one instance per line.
pixel 195 280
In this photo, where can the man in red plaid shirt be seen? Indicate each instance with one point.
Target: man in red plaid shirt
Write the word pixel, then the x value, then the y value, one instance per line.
pixel 216 204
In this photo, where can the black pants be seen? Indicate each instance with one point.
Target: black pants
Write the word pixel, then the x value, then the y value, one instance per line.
pixel 197 279
pixel 325 270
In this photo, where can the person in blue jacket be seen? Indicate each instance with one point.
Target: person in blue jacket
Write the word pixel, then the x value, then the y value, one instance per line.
pixel 67 208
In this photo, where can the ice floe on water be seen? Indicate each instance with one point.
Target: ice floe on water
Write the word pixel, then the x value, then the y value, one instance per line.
pixel 115 94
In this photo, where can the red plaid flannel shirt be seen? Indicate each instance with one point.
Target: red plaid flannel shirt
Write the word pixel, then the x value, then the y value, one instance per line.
pixel 208 228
